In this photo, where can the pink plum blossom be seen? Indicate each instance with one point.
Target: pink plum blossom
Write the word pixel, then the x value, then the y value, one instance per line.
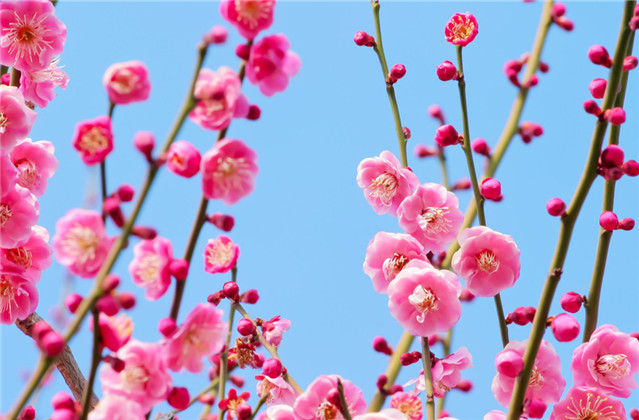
pixel 117 407
pixel 271 64
pixel 219 99
pixel 19 212
pixel 499 415
pixel 385 183
pixel 446 372
pixel 202 334
pixel 248 16
pixel 314 404
pixel 35 163
pixel 431 214
pixel 31 35
pixel 387 414
pixel 16 119
pixel 127 82
pixel 183 159
pixel 609 362
pixel 274 329
pixel 424 300
pixel 145 378
pixel 276 390
pixel 18 297
pixel 461 29
pixel 588 403
pixel 279 412
pixel 81 242
pixel 487 260
pixel 386 256
pixel 228 171
pixel 31 257
pixel 8 174
pixel 220 255
pixel 545 383
pixel 408 404
pixel 39 86
pixel 150 266
pixel 93 139
pixel 115 331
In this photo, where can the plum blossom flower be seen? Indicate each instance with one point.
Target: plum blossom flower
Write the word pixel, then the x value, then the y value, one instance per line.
pixel 39 86
pixel 424 300
pixel 19 212
pixel 16 119
pixel 431 214
pixel 314 404
pixel 115 331
pixel 220 255
pixel 582 403
pixel 18 297
pixel 487 260
pixel 387 414
pixel 387 254
pixel 276 390
pixel 271 64
pixel 446 372
pixel 93 139
pixel 31 257
pixel 183 159
pixel 81 242
pixel 31 36
pixel 608 362
pixel 279 412
pixel 145 378
pixel 461 29
pixel 202 334
pixel 274 329
pixel 150 266
pixel 127 82
pixel 248 16
pixel 117 407
pixel 35 163
pixel 8 174
pixel 408 404
pixel 228 171
pixel 545 383
pixel 385 183
pixel 219 99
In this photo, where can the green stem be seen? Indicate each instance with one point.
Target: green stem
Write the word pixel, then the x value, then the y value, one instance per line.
pixel 224 356
pixel 428 380
pixel 96 358
pixel 259 405
pixel 342 401
pixel 568 221
pixel 392 371
pixel 442 163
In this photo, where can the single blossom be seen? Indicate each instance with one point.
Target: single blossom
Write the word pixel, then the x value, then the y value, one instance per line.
pixel 228 171
pixel 387 254
pixel 608 362
pixel 115 331
pixel 81 242
pixel 446 373
pixel 461 29
pixel 202 334
pixel 385 183
pixel 425 300
pixel 8 174
pixel 18 297
pixel 16 119
pixel 220 255
pixel 31 257
pixel 183 159
pixel 127 82
pixel 487 260
pixel 218 99
pixel 271 64
pixel 582 403
pixel 431 214
pixel 274 329
pixel 35 163
pixel 19 212
pixel 117 407
pixel 314 403
pixel 410 405
pixel 39 86
pixel 248 16
pixel 150 266
pixel 31 36
pixel 93 139
pixel 276 390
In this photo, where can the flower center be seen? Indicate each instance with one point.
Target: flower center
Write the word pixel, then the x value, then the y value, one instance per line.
pixel 424 301
pixel 149 268
pixel 134 377
pixel 124 81
pixel 434 221
pixel 220 253
pixel 81 242
pixel 249 12
pixel 384 187
pixel 5 213
pixel 26 36
pixel 613 365
pixel 27 173
pixel 230 173
pixel 178 160
pixel 487 261
pixel 3 123
pixel 393 265
pixel 408 404
pixel 536 379
pixel 326 411
pixel 21 257
pixel 591 409
pixel 93 141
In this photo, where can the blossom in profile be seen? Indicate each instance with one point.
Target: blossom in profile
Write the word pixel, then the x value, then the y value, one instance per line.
pixel 315 403
pixel 16 119
pixel 461 29
pixel 202 334
pixel 271 64
pixel 220 255
pixel 218 99
pixel 489 261
pixel 18 297
pixel 276 390
pixel 183 159
pixel 31 35
pixel 385 183
pixel 387 254
pixel 228 171
pixel 93 139
pixel 35 163
pixel 588 403
pixel 248 16
pixel 127 82
pixel 150 266
pixel 30 257
pixel 274 329
pixel 447 371
pixel 39 86
pixel 81 242
pixel 117 407
pixel 19 212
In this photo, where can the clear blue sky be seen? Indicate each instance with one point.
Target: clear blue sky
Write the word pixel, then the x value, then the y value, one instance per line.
pixel 304 231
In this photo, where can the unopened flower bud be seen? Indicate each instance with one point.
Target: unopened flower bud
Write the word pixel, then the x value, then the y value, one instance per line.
pixel 591 107
pixel 183 159
pixel 466 295
pixel 254 113
pixel 179 398
pixel 443 414
pixel 250 296
pixel 380 345
pixel 631 168
pixel 490 189
pixel 179 269
pixel 144 141
pixel 565 23
pixel 361 38
pixel 111 207
pixel 167 326
pixel 382 380
pixel 543 67
pixel 423 151
pixel 462 185
pixel 633 24
pixel 406 132
pixel 110 283
pixel 27 413
pixel 410 358
pixel 556 207
pixel 611 156
pixel 144 232
pixel 616 116
pixel 608 221
pixel 626 224
pixel 72 302
pixel 62 400
pixel 571 302
pixel 535 408
pixel 599 55
pixel 396 72
pixel 597 88
pixel 238 381
pixel 464 385
pixel 215 298
pixel 126 300
pixel 125 193
pixel 480 147
pixel 446 135
pixel 509 363
pixel 243 411
pixel 223 222
pixel 634 413
pixel 272 368
pixel 558 9
pixel 565 327
pixel 243 51
pixel 117 365
pixel 532 81
pixel 216 35
pixel 436 112
pixel 52 343
pixel 395 388
pixel 447 71
pixel 630 63
pixel 245 327
pixel 108 304
pixel 230 289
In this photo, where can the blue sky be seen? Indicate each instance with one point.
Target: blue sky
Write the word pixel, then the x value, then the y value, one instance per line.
pixel 304 231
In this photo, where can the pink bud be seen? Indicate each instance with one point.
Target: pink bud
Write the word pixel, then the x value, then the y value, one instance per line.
pixel 144 232
pixel 110 283
pixel 446 135
pixel 39 330
pixel 65 414
pixel 558 9
pixel 422 151
pixel 466 295
pixel 565 23
pixel 630 63
pixel 179 269
pixel 447 71
pixel 167 326
pixel 380 345
pixel 616 116
pixel 631 168
pixel 512 67
pixel 243 411
pixel 490 188
pixel 599 55
pixel 435 111
pixel 179 398
pixel 254 113
pixel 591 107
pixel 509 363
pixel 571 302
pixel 464 385
pixel 535 408
pixel 238 381
pixel 361 38
pixel 543 67
pixel 626 224
pixel 406 132
pixel 410 358
pixel 108 304
pixel 608 221
pixel 117 365
pixel 215 298
pixel 250 296
pixel 72 302
pixel 633 24
pixel 207 399
pixel 381 382
pixel 230 289
pixel 245 327
pixel 144 141
pixel 216 35
pixel 243 51
pixel 125 193
pixel 397 72
pixel 532 81
pixel 480 147
pixel 126 300
pixel 462 185
pixel 611 156
pixel 565 327
pixel 111 207
pixel 52 343
pixel 634 414
pixel 224 222
pixel 443 414
pixel 62 400
pixel 183 159
pixel 597 88
pixel 272 368
pixel 556 207
pixel 27 413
